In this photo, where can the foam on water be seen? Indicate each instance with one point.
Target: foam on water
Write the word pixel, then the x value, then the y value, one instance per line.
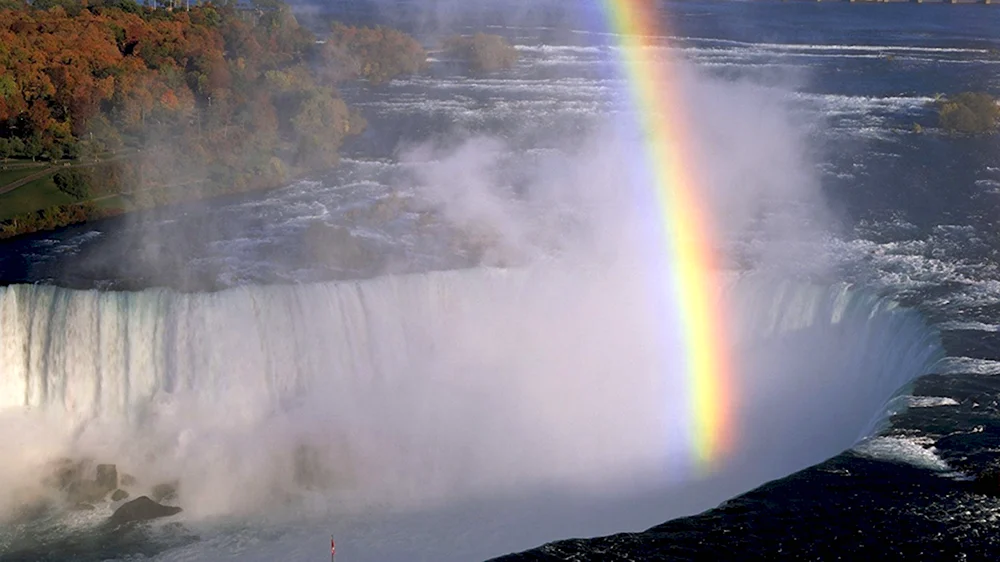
pixel 930 401
pixel 972 365
pixel 913 451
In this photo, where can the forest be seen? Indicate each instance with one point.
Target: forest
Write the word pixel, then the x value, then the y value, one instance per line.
pixel 138 106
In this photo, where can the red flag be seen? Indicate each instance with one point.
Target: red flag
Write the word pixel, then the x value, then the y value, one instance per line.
pixel 333 548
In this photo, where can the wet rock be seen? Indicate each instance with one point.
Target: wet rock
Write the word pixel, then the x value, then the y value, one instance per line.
pixel 988 482
pixel 31 511
pixel 164 492
pixel 142 509
pixel 69 477
pixel 85 492
pixel 83 506
pixel 126 479
pixel 309 469
pixel 119 495
pixel 107 477
pixel 65 474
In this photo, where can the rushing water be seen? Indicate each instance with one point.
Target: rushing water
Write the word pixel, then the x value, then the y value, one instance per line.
pixel 380 382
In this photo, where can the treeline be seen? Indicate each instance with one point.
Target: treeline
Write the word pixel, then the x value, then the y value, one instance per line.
pixel 171 105
pixel 376 54
pixel 188 104
pixel 53 217
pixel 86 80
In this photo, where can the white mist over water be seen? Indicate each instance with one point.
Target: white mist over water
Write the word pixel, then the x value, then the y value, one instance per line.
pixel 456 415
pixel 428 393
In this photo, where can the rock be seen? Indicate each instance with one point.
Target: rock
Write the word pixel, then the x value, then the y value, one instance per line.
pixel 31 511
pixel 309 470
pixel 92 491
pixel 988 482
pixel 142 509
pixel 119 495
pixel 86 491
pixel 83 506
pixel 127 480
pixel 164 492
pixel 107 476
pixel 65 474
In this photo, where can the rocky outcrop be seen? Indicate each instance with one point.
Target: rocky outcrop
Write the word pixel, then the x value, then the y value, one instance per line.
pixel 71 478
pixel 107 476
pixel 119 495
pixel 987 482
pixel 93 491
pixel 164 492
pixel 141 509
pixel 64 473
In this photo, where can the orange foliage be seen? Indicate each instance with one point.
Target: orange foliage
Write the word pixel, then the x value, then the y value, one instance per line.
pixel 169 100
pixel 376 54
pixel 216 90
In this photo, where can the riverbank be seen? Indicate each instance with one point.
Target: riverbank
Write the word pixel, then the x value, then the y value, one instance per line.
pixel 167 106
pixel 53 211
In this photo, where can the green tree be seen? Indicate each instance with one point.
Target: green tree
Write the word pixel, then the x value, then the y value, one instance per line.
pixel 969 112
pixel 322 123
pixel 33 147
pixel 16 147
pixel 73 183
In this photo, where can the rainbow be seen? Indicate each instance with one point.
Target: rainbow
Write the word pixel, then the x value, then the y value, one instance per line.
pixel 659 108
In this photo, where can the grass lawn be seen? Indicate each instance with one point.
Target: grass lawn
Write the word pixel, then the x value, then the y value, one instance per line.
pixel 38 194
pixel 116 202
pixel 14 173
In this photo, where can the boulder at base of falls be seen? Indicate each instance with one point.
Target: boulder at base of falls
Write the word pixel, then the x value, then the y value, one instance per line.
pixel 142 509
pixel 164 492
pixel 69 477
pixel 119 495
pixel 107 477
pixel 988 482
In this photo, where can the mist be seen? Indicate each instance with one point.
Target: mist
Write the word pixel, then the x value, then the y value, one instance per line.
pixel 534 391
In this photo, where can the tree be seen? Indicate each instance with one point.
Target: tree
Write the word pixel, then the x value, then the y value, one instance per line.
pixel 322 123
pixel 969 112
pixel 33 147
pixel 482 52
pixel 205 89
pixel 376 54
pixel 73 183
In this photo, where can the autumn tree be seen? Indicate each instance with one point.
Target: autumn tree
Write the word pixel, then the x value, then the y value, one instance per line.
pixel 969 112
pixel 376 54
pixel 482 52
pixel 216 93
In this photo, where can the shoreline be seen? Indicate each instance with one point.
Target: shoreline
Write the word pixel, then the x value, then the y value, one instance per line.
pixel 100 214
